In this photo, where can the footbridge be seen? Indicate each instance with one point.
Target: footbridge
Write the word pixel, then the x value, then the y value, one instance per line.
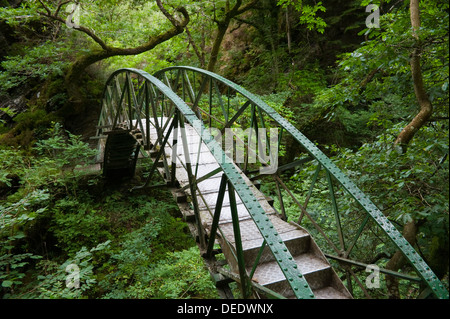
pixel 220 148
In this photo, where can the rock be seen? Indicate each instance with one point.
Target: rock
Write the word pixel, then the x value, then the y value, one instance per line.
pixel 13 106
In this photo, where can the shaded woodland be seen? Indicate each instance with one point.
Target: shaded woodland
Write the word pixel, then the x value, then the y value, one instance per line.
pixel 375 100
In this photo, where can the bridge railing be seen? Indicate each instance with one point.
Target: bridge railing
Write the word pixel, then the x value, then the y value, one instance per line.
pixel 139 103
pixel 255 136
pixel 237 124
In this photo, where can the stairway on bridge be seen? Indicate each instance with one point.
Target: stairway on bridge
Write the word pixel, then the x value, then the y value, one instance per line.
pixel 311 262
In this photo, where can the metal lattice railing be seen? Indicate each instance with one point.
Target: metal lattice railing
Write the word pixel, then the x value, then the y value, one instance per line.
pixel 137 100
pixel 213 105
pixel 223 104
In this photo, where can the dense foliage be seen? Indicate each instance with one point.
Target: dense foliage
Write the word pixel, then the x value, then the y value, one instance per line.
pixel 348 87
pixel 58 213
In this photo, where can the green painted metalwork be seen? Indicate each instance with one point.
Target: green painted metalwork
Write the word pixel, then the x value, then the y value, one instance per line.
pixel 283 257
pixel 245 283
pixel 138 101
pixel 260 111
pixel 114 113
pixel 218 209
pixel 192 184
pixel 258 257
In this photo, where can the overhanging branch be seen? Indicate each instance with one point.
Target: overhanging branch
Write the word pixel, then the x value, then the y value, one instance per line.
pixel 178 27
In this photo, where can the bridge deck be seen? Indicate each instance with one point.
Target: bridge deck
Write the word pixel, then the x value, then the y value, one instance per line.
pixel 310 260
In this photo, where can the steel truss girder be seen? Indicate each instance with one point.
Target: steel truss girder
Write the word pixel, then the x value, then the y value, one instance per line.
pixel 333 173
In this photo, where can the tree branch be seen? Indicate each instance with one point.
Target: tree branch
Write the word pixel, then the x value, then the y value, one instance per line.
pixel 247 6
pixel 85 30
pixel 59 6
pixel 426 107
pixel 177 24
pixel 200 56
pixel 76 69
pixel 111 51
pixel 49 12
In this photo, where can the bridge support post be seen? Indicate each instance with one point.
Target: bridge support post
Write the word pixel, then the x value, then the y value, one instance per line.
pixel 174 150
pixel 216 217
pixel 246 288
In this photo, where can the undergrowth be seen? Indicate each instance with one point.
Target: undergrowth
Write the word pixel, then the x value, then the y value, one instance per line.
pixel 67 233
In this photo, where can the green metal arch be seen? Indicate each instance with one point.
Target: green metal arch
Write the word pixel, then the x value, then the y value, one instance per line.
pixel 287 264
pixel 422 269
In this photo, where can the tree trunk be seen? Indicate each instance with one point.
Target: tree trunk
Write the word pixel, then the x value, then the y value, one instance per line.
pixel 410 229
pixel 426 108
pixel 222 28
